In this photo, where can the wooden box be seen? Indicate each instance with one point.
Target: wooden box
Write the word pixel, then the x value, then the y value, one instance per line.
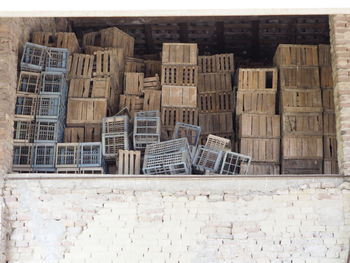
pixel 114 37
pixel 296 55
pixel 330 167
pixel 80 66
pixel 329 124
pixel 330 147
pixel 216 102
pixel 328 99
pixel 174 96
pixel 213 82
pixel 43 38
pixel 92 39
pixel 261 150
pixel 215 123
pixel 326 77
pixel 261 168
pixel 300 100
pixel 133 83
pixel 302 123
pixel 179 54
pixel 207 64
pixel 90 88
pixel 178 75
pixel 79 88
pixel 152 100
pixel 171 115
pixel 324 55
pixel 108 62
pixel 257 79
pixel 258 102
pixel 151 83
pixel 67 40
pixel 258 126
pixel 92 49
pixel 129 162
pixel 216 63
pixel 302 147
pixel 299 78
pixel 93 132
pixel 74 134
pixel 308 166
pixel 133 103
pixel 134 65
pixel 152 67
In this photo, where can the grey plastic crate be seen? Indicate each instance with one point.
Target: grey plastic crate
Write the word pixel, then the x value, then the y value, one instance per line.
pixel 22 155
pixel 115 124
pixel 23 130
pixel 147 114
pixel 111 143
pixel 67 155
pixel 57 59
pixel 44 155
pixel 53 83
pixel 191 132
pixel 142 140
pixel 33 57
pixel 28 82
pixel 235 163
pixel 90 154
pixel 49 107
pixel 48 131
pixel 146 129
pixel 216 142
pixel 167 147
pixel 207 159
pixel 25 105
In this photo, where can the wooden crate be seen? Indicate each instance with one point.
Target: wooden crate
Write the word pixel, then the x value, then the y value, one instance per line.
pixel 79 88
pixel 296 166
pixel 207 64
pixel 80 66
pixel 216 123
pixel 133 103
pixel 326 77
pixel 324 55
pixel 178 75
pixel 133 83
pixel 152 67
pixel 293 100
pixel 129 162
pixel 67 40
pixel 328 99
pixel 330 167
pixel 101 88
pixel 90 88
pixel 257 79
pixel 134 65
pixel 299 78
pixel 179 54
pixel 296 55
pixel 92 49
pixel 258 102
pixel 152 100
pixel 216 63
pixel 151 83
pixel 177 96
pixel 91 39
pixel 302 123
pixel 258 126
pixel 215 102
pixel 329 123
pixel 302 147
pixel 171 115
pixel 261 168
pixel 213 82
pixel 261 150
pixel 114 37
pixel 108 62
pixel 330 147
pixel 86 110
pixel 93 132
pixel 43 38
pixel 74 134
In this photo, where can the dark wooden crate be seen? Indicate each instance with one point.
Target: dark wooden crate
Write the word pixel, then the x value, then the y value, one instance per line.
pixel 306 166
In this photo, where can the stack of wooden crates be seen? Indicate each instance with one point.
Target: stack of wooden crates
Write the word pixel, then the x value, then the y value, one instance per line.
pixel 258 125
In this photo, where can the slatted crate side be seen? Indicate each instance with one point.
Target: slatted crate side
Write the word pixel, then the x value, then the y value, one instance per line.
pixel 28 82
pixel 43 38
pixel 129 162
pixel 44 155
pixel 302 147
pixel 53 83
pixel 57 59
pixel 115 124
pixel 297 166
pixel 177 96
pixel 23 130
pixel 74 134
pixel 330 166
pixel 296 55
pixel 207 64
pixel 171 115
pixel 215 102
pixel 152 67
pixel 330 147
pixel 326 77
pixel 90 49
pixel 79 88
pixel 91 39
pixel 90 154
pixel 328 99
pixel 216 122
pixel 33 57
pixel 151 83
pixel 133 103
pixel 179 53
pixel 93 132
pixel 301 100
pixel 80 66
pixel 299 77
pixel 207 159
pixel 213 82
pixel 22 155
pixel 324 55
pixel 25 105
pixel 257 102
pixel 108 62
pixel 134 65
pixel 329 123
pixel 133 83
pixel 302 123
pixel 111 143
pixel 48 131
pixel 261 150
pixel 176 75
pixel 152 100
pixel 235 163
pixel 224 63
pixel 257 79
pixel 261 168
pixel 67 155
pixel 101 88
pixel 258 126
pixel 67 40
pixel 114 37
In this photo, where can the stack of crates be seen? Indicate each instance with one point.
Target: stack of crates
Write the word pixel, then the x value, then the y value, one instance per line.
pixel 215 95
pixel 330 160
pixel 257 121
pixel 133 92
pixel 179 80
pixel 301 109
pixel 147 129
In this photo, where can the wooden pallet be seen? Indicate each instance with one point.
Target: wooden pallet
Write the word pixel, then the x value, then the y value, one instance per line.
pixel 257 102
pixel 299 77
pixel 129 162
pixel 171 115
pixel 114 37
pixel 326 77
pixel 133 103
pixel 261 150
pixel 329 123
pixel 328 99
pixel 302 147
pixel 330 167
pixel 134 65
pixel 151 83
pixel 296 55
pixel 179 54
pixel 213 82
pixel 28 82
pixel 216 102
pixel 324 55
pixel 109 63
pixel 152 67
pixel 216 123
pixel 330 147
pixel 302 123
pixel 80 66
pixel 152 100
pixel 261 168
pixel 300 100
pixel 133 83
pixel 177 96
pixel 257 79
pixel 178 75
pixel 216 63
pixel 43 38
pixel 258 126
pixel 67 40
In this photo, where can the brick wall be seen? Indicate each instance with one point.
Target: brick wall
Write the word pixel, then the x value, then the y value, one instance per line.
pixel 166 220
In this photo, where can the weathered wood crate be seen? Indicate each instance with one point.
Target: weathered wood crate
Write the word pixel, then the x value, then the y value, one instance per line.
pixel 151 83
pixel 43 38
pixel 67 40
pixel 90 88
pixel 25 105
pixel 330 147
pixel 301 100
pixel 257 102
pixel 86 110
pixel 23 130
pixel 262 168
pixel 133 103
pixel 215 102
pixel 302 147
pixel 302 123
pixel 28 82
pixel 328 99
pixel 91 39
pixel 57 59
pixel 134 65
pixel 53 83
pixel 179 75
pixel 152 68
pixel 259 126
pixel 179 54
pixel 171 115
pixel 299 77
pixel 92 49
pixel 330 167
pixel 324 55
pixel 216 63
pixel 214 123
pixel 213 82
pixel 92 132
pixel 296 55
pixel 207 64
pixel 101 88
pixel 152 100
pixel 257 79
pixel 129 162
pixel 177 96
pixel 326 77
pixel 133 83
pixel 80 66
pixel 22 155
pixel 235 163
pixel 329 123
pixel 33 57
pixel 108 62
pixel 67 155
pixel 261 150
pixel 307 166
pixel 88 133
pixel 114 37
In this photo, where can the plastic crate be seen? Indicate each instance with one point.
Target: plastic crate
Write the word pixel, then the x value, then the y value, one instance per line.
pixel 146 129
pixel 68 170
pixel 90 154
pixel 111 143
pixel 53 83
pixel 67 155
pixel 57 59
pixel 49 107
pixel 216 142
pixel 148 114
pixel 191 132
pixel 44 155
pixel 25 105
pixel 115 124
pixel 33 57
pixel 171 146
pixel 48 131
pixel 22 155
pixel 23 130
pixel 235 163
pixel 207 159
pixel 92 170
pixel 28 82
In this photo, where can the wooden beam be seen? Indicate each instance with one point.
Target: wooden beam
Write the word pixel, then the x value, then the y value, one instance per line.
pixel 149 38
pixel 220 37
pixel 255 41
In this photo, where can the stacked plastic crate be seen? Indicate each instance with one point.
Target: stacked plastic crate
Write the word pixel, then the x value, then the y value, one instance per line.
pixel 147 129
pixel 257 121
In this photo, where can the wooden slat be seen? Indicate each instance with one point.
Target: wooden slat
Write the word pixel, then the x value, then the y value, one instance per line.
pixel 152 100
pixel 296 166
pixel 179 53
pixel 257 102
pixel 296 55
pixel 302 147
pixel 258 126
pixel 299 78
pixel 257 79
pixel 174 96
pixel 302 123
pixel 300 100
pixel 128 162
pixel 262 150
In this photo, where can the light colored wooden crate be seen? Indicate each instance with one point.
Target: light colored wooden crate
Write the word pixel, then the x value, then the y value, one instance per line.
pixel 179 75
pixel 93 132
pixel 301 100
pixel 261 150
pixel 74 134
pixel 129 162
pixel 296 55
pixel 171 115
pixel 152 67
pixel 43 38
pixel 328 99
pixel 101 88
pixel 80 66
pixel 86 110
pixel 151 83
pixel 257 102
pixel 326 77
pixel 90 88
pixel 133 103
pixel 89 49
pixel 297 166
pixel 114 37
pixel 152 100
pixel 207 64
pixel 299 77
pixel 215 102
pixel 257 79
pixel 215 123
pixel 177 96
pixel 329 123
pixel 109 62
pixel 67 40
pixel 302 147
pixel 324 55
pixel 79 88
pixel 330 147
pixel 134 65
pixel 213 82
pixel 91 39
pixel 302 123
pixel 258 126
pixel 330 167
pixel 224 62
pixel 261 168
pixel 133 83
pixel 179 54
